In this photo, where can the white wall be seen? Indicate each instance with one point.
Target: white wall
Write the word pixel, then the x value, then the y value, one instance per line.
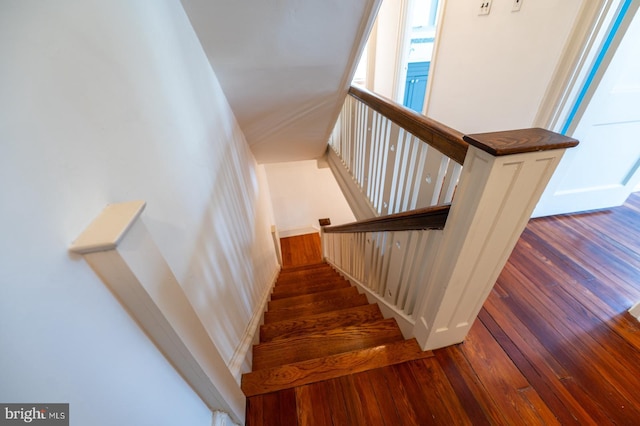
pixel 491 72
pixel 302 193
pixel 387 42
pixel 106 102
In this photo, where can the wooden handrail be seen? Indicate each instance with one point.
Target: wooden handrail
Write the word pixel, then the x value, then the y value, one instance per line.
pixel 445 139
pixel 433 217
pixel 519 141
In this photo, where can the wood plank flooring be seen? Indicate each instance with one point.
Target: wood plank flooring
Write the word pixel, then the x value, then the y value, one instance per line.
pixel 301 250
pixel 553 344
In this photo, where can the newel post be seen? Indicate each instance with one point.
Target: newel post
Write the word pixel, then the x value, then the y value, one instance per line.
pixel 503 177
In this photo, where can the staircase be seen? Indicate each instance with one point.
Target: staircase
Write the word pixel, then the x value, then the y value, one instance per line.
pixel 318 327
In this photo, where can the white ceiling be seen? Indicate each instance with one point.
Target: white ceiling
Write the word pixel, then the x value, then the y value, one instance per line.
pixel 284 66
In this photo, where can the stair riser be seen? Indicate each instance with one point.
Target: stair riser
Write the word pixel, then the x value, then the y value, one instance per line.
pixel 300 291
pixel 306 270
pixel 285 288
pixel 311 298
pixel 302 268
pixel 310 279
pixel 314 308
pixel 314 267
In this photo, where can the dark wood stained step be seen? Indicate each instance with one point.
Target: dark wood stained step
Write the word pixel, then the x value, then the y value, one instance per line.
pixel 313 297
pixel 321 276
pixel 281 293
pixel 325 343
pixel 309 283
pixel 330 367
pixel 307 270
pixel 315 323
pixel 306 267
pixel 283 314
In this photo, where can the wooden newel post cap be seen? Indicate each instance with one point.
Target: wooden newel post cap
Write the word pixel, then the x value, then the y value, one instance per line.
pixel 519 141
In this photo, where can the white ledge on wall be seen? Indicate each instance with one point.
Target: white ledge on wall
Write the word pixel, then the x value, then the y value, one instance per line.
pixel 106 231
pixel 121 251
pixel 635 311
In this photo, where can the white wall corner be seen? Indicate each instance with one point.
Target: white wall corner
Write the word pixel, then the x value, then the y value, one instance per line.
pixel 635 311
pixel 240 362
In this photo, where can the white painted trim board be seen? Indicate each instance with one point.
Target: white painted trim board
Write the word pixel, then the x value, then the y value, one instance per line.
pixel 246 343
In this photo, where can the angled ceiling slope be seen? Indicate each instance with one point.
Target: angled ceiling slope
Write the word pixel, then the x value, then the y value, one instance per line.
pixel 284 66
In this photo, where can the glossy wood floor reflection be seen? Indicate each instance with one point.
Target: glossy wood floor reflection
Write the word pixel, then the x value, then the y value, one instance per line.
pixel 301 250
pixel 553 344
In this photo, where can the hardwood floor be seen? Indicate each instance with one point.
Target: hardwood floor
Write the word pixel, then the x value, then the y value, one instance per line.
pixel 553 344
pixel 301 250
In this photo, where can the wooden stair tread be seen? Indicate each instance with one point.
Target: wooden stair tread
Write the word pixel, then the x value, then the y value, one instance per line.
pixel 282 292
pixel 330 367
pixel 319 322
pixel 325 343
pixel 309 285
pixel 287 313
pixel 285 274
pixel 313 297
pixel 315 279
pixel 306 270
pixel 307 267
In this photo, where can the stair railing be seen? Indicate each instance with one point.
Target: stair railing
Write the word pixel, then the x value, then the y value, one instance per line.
pixel 391 158
pixel 388 257
pixel 428 263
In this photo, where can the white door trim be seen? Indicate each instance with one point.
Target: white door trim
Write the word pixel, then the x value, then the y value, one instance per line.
pixel 591 27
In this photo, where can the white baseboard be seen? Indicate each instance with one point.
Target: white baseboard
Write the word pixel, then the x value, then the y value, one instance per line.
pixel 240 354
pixel 298 231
